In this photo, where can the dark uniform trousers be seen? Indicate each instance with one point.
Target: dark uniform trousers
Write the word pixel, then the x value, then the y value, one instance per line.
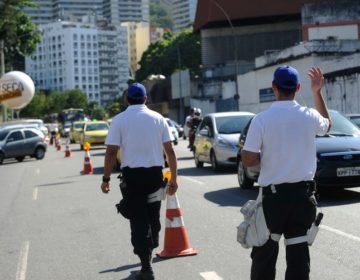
pixel 290 212
pixel 145 217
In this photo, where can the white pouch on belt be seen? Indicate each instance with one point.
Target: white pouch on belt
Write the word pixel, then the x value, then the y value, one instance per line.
pixel 253 230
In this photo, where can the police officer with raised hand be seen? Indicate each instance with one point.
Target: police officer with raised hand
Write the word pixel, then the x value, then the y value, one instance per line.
pixel 282 140
pixel 142 135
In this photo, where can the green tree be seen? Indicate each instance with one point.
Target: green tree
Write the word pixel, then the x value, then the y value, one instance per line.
pixel 160 16
pixel 175 51
pixel 75 98
pixel 36 108
pixel 95 111
pixel 19 33
pixel 113 109
pixel 55 102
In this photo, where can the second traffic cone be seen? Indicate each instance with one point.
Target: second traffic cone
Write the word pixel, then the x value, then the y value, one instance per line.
pixel 88 168
pixel 176 243
pixel 68 151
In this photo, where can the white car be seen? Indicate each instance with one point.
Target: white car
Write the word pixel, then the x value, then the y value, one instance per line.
pixel 173 131
pixel 217 138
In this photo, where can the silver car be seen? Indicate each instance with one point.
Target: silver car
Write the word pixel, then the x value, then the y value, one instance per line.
pixel 217 138
pixel 18 142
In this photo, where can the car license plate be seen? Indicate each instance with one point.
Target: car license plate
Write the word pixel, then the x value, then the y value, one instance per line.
pixel 348 171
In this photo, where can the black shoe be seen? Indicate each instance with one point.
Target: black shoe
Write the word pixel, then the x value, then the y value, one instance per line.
pixel 145 275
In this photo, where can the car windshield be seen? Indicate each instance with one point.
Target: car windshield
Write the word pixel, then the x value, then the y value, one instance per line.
pixel 79 125
pixel 3 135
pixel 231 124
pixel 97 126
pixel 341 126
pixel 356 120
pixel 169 123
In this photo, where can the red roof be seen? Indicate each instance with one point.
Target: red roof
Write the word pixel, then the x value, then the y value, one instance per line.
pixel 209 11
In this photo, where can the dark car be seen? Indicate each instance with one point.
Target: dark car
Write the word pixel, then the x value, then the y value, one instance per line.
pixel 19 142
pixel 338 156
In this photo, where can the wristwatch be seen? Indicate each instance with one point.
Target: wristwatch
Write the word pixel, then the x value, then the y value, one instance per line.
pixel 105 179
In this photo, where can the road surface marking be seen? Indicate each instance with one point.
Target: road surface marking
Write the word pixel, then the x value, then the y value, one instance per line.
pixel 35 193
pixel 22 265
pixel 339 232
pixel 193 180
pixel 210 275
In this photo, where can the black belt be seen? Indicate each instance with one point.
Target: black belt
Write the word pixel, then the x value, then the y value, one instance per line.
pixel 310 186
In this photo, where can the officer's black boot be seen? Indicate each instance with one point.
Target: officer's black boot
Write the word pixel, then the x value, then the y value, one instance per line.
pixel 146 272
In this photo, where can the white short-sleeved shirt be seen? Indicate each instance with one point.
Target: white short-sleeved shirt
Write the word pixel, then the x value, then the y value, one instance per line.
pixel 140 133
pixel 284 135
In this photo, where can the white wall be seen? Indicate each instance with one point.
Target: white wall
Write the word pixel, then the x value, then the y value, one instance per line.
pixel 340 32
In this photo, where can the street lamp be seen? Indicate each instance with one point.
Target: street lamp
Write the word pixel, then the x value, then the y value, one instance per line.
pixel 236 96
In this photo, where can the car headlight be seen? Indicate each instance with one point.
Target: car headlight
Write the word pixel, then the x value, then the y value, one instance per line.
pixel 221 142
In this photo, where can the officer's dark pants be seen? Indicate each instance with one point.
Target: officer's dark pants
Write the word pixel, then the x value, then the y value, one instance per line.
pixel 290 212
pixel 145 217
pixel 145 228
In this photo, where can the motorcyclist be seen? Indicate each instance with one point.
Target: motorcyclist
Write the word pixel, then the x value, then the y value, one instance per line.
pixel 195 122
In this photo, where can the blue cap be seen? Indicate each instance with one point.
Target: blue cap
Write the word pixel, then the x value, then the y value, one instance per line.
pixel 136 91
pixel 286 77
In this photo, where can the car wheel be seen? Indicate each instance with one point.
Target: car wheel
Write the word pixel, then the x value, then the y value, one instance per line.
pixel 184 137
pixel 72 141
pixel 20 159
pixel 198 163
pixel 214 163
pixel 81 147
pixel 39 153
pixel 2 156
pixel 175 142
pixel 245 183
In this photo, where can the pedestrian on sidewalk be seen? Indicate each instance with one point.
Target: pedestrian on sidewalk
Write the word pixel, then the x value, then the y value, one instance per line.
pixel 282 140
pixel 142 135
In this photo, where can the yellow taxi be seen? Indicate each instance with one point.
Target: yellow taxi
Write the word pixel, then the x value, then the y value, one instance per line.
pixel 94 133
pixel 76 130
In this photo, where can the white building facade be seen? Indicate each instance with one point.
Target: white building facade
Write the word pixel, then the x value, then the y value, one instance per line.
pixel 81 56
pixel 183 12
pixel 118 11
pixel 53 10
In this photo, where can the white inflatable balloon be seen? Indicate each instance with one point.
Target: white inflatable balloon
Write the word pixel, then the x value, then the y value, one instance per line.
pixel 16 89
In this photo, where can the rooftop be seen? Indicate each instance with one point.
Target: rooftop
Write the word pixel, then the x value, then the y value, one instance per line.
pixel 211 13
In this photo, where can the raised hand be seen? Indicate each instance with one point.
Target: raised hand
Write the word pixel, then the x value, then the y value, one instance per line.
pixel 317 79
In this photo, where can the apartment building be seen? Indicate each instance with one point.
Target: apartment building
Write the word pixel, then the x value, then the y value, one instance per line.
pixel 115 11
pixel 88 57
pixel 140 35
pixel 54 10
pixel 118 11
pixel 183 12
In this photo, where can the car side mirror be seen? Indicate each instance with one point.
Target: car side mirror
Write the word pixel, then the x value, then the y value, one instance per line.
pixel 204 132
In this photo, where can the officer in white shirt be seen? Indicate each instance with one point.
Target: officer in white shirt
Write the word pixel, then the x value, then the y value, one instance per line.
pixel 142 135
pixel 282 140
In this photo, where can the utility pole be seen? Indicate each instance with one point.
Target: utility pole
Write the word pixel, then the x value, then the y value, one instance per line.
pixel 2 72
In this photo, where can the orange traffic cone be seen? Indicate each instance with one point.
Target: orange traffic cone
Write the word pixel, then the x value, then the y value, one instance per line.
pixel 68 151
pixel 88 168
pixel 176 242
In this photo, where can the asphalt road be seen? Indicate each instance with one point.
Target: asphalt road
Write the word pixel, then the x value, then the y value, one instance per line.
pixel 55 224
